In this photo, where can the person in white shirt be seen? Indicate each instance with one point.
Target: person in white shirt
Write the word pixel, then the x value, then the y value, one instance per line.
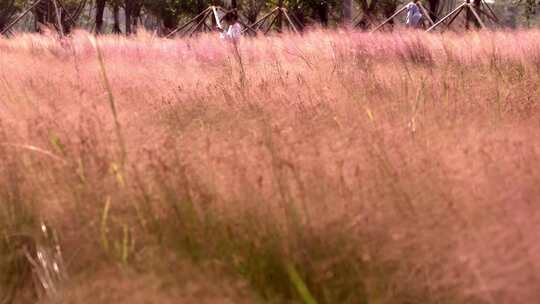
pixel 234 29
pixel 413 14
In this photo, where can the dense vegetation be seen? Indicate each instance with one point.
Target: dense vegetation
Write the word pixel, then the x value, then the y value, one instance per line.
pixel 323 168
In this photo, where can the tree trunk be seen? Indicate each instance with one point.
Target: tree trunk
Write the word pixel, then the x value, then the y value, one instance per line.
pixel 434 9
pixel 388 9
pixel 133 12
pixel 170 23
pixel 476 5
pixel 200 6
pixel 279 20
pixel 44 14
pixel 100 10
pixel 6 12
pixel 116 14
pixel 136 16
pixel 322 11
pixel 128 10
pixel 251 9
pixel 347 12
pixel 368 11
pixel 470 16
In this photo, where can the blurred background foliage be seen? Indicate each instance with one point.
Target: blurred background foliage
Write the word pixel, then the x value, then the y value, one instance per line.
pixel 124 16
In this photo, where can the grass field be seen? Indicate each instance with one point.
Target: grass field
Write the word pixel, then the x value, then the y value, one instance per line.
pixel 333 167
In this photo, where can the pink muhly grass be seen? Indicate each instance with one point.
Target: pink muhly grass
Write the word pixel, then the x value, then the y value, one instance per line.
pixel 403 163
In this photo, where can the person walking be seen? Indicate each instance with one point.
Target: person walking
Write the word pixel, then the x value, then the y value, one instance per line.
pixel 234 29
pixel 413 15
